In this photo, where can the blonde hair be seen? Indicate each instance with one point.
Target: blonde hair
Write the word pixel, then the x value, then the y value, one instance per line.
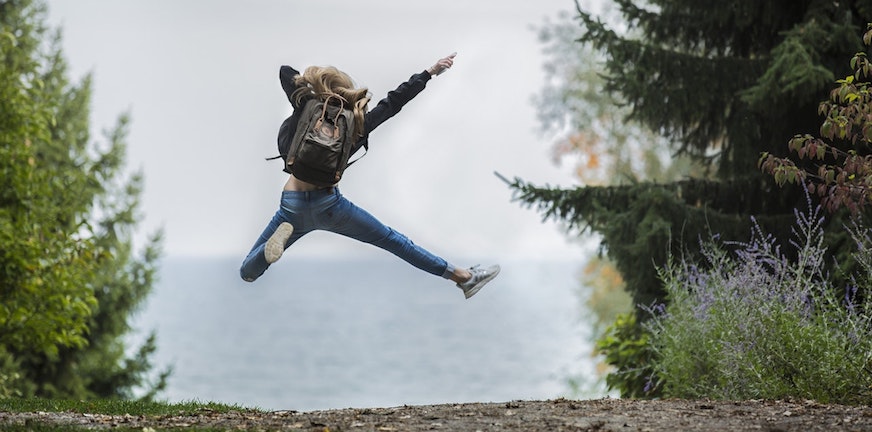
pixel 324 81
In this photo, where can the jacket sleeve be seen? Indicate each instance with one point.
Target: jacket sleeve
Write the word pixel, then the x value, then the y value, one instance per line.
pixel 286 77
pixel 395 100
pixel 391 105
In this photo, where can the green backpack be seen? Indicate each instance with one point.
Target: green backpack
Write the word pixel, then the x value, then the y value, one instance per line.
pixel 318 152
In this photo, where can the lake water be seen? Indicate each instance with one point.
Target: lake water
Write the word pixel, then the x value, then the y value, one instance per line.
pixel 316 334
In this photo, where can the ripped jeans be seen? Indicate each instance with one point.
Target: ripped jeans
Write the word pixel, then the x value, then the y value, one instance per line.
pixel 327 209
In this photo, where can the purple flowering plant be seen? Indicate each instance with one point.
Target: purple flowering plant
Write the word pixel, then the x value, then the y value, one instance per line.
pixel 753 321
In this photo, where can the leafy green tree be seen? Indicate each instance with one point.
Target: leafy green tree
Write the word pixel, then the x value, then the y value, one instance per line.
pixel 69 277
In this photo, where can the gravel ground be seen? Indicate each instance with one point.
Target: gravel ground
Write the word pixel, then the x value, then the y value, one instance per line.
pixel 528 416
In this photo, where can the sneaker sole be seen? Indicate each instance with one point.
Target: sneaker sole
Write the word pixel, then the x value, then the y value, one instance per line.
pixel 275 246
pixel 472 291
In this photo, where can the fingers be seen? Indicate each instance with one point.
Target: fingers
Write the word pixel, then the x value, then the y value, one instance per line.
pixel 443 64
pixel 448 61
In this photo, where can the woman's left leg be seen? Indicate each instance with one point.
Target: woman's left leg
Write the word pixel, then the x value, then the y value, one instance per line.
pixel 255 263
pixel 292 207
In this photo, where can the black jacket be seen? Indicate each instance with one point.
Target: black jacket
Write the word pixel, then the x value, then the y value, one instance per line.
pixel 386 108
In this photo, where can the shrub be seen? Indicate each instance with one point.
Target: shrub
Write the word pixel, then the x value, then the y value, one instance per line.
pixel 627 348
pixel 760 320
pixel 9 376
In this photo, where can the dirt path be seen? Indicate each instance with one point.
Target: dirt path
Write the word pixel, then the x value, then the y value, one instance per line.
pixel 527 416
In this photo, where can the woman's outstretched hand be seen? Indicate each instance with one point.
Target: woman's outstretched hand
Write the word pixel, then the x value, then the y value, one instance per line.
pixel 442 65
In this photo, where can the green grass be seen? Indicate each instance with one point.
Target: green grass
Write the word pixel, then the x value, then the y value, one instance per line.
pixel 40 427
pixel 108 407
pixel 115 407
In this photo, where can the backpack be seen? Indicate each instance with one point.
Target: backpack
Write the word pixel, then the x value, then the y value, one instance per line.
pixel 319 150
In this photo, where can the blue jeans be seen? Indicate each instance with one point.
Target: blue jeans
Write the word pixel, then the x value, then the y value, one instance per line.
pixel 327 209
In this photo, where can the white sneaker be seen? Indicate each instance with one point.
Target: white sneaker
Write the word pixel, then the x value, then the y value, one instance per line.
pixel 480 277
pixel 275 246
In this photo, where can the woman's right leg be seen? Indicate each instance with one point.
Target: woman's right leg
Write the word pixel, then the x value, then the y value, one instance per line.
pixel 349 220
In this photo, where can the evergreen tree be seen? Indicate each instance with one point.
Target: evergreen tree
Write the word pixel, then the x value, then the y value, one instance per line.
pixel 721 82
pixel 590 129
pixel 69 276
pixel 590 125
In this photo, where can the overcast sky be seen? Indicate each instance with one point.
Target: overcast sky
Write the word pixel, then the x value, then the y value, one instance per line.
pixel 200 80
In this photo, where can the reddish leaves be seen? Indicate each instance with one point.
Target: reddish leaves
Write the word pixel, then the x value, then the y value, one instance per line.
pixel 843 178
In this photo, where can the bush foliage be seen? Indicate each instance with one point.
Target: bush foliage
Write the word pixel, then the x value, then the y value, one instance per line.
pixel 761 319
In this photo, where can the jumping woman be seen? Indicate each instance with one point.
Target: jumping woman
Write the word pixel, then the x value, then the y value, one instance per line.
pixel 306 207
